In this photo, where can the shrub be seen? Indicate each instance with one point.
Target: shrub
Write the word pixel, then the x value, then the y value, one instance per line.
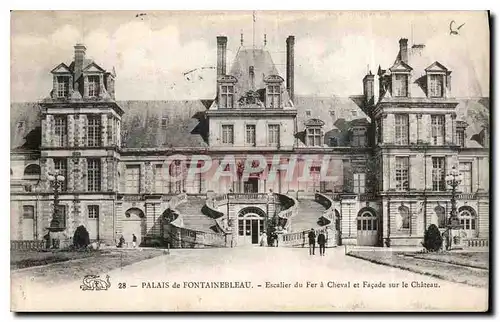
pixel 432 239
pixel 81 237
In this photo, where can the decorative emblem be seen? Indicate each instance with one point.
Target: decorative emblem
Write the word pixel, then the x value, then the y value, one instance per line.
pixel 94 283
pixel 250 97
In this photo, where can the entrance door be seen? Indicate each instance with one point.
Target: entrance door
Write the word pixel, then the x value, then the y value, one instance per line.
pixel 367 233
pixel 252 185
pixel 134 224
pixel 249 229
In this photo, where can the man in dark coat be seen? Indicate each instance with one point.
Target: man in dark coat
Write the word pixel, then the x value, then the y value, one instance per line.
pixel 312 241
pixel 321 243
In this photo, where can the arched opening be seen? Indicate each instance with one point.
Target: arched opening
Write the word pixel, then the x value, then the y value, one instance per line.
pixel 468 221
pixel 439 217
pixel 367 224
pixel 251 223
pixel 403 218
pixel 134 223
pixel 32 170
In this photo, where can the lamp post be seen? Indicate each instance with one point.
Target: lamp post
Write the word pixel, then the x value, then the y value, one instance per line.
pixel 56 182
pixel 453 179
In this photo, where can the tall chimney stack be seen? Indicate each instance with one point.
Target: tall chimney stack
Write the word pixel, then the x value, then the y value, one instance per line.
pixel 79 59
pixel 368 88
pixel 221 55
pixel 403 49
pixel 290 43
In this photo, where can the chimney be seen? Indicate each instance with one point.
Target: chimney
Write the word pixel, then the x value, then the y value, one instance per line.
pixel 221 55
pixel 403 49
pixel 290 43
pixel 368 88
pixel 79 60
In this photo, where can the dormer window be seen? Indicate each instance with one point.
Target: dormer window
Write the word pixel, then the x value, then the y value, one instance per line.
pixel 400 86
pixel 62 86
pixel 93 86
pixel 227 96
pixel 314 132
pixel 358 137
pixel 273 96
pixel 436 82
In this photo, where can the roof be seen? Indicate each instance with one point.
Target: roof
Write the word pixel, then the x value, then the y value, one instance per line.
pixel 154 124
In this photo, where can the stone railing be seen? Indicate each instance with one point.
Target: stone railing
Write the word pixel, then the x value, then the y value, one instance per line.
pixel 24 245
pixel 211 209
pixel 289 208
pixel 329 213
pixel 476 242
pixel 182 237
pixel 300 239
pixel 250 197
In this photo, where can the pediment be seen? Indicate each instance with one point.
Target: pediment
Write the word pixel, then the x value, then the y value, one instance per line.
pixel 93 68
pixel 227 79
pixel 62 68
pixel 314 122
pixel 400 66
pixel 273 79
pixel 436 67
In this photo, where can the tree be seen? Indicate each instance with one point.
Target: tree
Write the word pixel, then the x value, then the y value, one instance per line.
pixel 81 237
pixel 432 239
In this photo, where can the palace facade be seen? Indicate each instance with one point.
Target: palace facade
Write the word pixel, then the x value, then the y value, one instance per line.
pixel 375 163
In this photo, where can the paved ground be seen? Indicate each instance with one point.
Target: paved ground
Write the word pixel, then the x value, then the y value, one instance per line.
pixel 259 266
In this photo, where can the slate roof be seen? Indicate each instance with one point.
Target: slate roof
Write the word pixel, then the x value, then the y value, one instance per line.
pixel 155 124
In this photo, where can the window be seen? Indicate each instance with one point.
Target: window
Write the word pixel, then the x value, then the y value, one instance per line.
pixel 404 218
pixel 94 175
pixel 437 122
pixel 461 137
pixel 367 221
pixel 158 178
pixel 436 85
pixel 227 134
pixel 466 171
pixel 93 212
pixel 467 218
pixel 354 113
pixel 111 123
pixel 132 175
pixel 60 167
pixel 402 170
pixel 314 136
pixel 401 85
pixel 440 219
pixel 358 136
pixel 250 134
pixel 93 86
pixel 164 121
pixel 28 212
pixel 273 96
pixel 438 171
pixel 61 131
pixel 227 96
pixel 93 131
pixel 359 183
pixel 274 134
pixel 334 142
pixel 402 132
pixel 62 86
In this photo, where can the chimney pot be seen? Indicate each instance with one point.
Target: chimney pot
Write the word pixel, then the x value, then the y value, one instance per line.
pixel 403 49
pixel 221 55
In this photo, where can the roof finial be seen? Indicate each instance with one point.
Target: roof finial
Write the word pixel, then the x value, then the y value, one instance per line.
pixel 241 39
pixel 265 40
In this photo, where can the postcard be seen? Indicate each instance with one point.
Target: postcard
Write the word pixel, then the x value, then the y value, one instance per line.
pixel 311 161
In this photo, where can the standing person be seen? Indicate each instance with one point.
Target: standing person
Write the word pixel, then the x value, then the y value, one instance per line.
pixel 134 240
pixel 321 243
pixel 312 241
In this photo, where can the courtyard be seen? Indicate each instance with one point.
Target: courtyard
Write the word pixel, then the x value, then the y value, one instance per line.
pixel 245 278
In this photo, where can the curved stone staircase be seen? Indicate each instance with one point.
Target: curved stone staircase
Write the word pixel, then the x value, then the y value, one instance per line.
pixel 193 217
pixel 307 217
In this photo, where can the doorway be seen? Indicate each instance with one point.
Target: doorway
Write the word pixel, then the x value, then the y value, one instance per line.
pixel 250 225
pixel 251 185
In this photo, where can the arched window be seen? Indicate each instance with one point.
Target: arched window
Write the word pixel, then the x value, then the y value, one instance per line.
pixel 134 214
pixel 403 221
pixel 367 221
pixel 440 214
pixel 32 170
pixel 467 217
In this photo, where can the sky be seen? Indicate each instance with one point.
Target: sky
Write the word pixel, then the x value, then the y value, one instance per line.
pixel 151 53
